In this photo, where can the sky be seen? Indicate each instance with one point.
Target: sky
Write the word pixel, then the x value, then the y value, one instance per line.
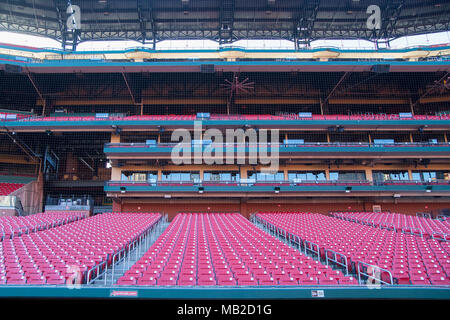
pixel 404 42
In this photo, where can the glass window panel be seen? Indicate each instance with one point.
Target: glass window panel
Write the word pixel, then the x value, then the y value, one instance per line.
pixel 416 176
pixel 334 175
pixel 347 175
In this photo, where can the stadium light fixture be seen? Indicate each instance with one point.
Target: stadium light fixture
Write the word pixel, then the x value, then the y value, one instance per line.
pixel 201 189
pixel 123 189
pixel 428 189
pixel 277 189
pixel 348 189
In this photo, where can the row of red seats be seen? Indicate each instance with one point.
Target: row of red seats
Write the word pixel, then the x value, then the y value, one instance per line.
pixel 239 117
pixel 410 259
pixel 52 256
pixel 16 225
pixel 398 220
pixel 7 188
pixel 225 249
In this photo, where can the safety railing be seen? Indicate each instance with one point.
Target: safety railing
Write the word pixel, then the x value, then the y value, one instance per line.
pixel 279 145
pixel 294 240
pixel 337 258
pixel 373 275
pixel 368 222
pixel 441 236
pixel 388 226
pixel 139 245
pixel 271 228
pixel 96 271
pixel 239 183
pixel 117 257
pixel 224 117
pixel 312 248
pixel 281 233
pixel 425 215
pixel 413 231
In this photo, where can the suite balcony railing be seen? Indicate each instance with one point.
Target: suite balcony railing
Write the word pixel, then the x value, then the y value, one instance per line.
pixel 282 145
pixel 234 117
pixel 247 187
pixel 413 182
pixel 298 182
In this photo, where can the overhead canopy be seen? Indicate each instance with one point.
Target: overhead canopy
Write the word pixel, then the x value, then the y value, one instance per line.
pixel 224 21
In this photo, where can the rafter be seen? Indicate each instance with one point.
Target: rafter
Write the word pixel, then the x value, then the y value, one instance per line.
pixel 342 79
pixel 226 21
pixel 304 22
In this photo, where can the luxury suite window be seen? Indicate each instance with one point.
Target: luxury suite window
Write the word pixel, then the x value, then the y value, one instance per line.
pixel 430 175
pixel 390 175
pixel 348 175
pixel 180 176
pixel 139 176
pixel 306 175
pixel 259 176
pixel 221 176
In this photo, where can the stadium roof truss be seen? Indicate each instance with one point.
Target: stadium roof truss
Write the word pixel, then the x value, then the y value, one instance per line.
pixel 224 21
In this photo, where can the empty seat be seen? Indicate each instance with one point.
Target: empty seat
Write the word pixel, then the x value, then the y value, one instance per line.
pixel 224 250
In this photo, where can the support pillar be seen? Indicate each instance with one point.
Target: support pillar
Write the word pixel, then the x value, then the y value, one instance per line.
pixel 411 105
pixel 243 208
pixel 369 175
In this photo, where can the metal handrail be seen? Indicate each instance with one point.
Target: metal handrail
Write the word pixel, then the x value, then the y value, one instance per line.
pixel 441 236
pixel 290 116
pixel 376 273
pixel 388 226
pixel 238 183
pixel 279 144
pixel 135 243
pixel 334 259
pixel 294 239
pixel 282 233
pixel 411 230
pixel 97 268
pixel 313 248
pixel 114 261
pixel 423 215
